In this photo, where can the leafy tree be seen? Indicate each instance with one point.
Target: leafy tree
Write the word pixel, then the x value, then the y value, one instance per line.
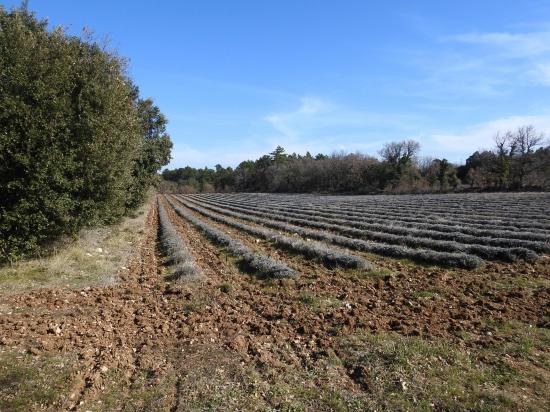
pixel 399 158
pixel 154 151
pixel 398 171
pixel 73 149
pixel 278 156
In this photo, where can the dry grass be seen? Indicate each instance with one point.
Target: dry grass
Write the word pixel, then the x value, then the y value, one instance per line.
pixel 410 373
pixel 30 382
pixel 94 258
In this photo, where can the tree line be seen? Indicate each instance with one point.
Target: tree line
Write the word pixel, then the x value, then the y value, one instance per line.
pixel 520 160
pixel 78 145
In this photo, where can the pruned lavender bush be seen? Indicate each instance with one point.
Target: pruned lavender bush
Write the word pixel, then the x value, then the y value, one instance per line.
pixel 326 255
pixel 490 248
pixel 263 264
pixel 448 222
pixel 507 212
pixel 176 250
pixel 505 238
pixel 463 260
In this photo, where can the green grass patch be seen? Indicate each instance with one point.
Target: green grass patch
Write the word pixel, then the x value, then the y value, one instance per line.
pixel 319 303
pixel 309 299
pixel 190 307
pixel 522 341
pixel 410 373
pixel 226 288
pixel 29 382
pixel 94 257
pixel 425 294
pixel 522 283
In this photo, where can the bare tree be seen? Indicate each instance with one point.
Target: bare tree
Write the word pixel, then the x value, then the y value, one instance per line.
pixel 504 143
pixel 505 148
pixel 522 147
pixel 527 138
pixel 400 152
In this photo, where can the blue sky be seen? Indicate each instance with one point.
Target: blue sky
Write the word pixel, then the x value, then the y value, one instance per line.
pixel 237 78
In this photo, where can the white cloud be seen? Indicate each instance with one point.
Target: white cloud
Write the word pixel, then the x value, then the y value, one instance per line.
pixel 511 57
pixel 515 45
pixel 542 72
pixel 321 119
pixel 480 136
pixel 316 125
pixel 290 123
pixel 454 145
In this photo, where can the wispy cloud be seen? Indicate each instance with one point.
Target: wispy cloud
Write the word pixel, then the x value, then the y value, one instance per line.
pixel 513 45
pixel 320 118
pixel 542 72
pixel 473 73
pixel 480 136
pixel 292 124
pixel 367 133
pixel 520 56
pixel 314 124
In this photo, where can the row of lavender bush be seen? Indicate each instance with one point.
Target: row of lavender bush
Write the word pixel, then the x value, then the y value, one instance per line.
pixel 175 249
pixel 463 260
pixel 326 255
pixel 263 264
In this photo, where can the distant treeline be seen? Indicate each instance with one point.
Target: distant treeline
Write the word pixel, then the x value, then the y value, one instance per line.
pixel 78 146
pixel 519 161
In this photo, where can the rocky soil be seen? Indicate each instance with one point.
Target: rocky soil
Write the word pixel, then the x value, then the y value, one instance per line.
pixel 240 336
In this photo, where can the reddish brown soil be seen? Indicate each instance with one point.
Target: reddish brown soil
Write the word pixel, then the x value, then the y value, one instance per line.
pixel 457 300
pixel 140 322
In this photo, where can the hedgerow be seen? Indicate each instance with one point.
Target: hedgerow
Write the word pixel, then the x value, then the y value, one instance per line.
pixel 342 216
pixel 78 147
pixel 450 221
pixel 316 250
pixel 504 212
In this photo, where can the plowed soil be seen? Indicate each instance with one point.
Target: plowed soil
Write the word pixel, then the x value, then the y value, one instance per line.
pixel 146 343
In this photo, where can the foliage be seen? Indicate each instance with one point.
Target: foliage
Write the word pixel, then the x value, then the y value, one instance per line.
pixel 519 161
pixel 77 145
pixel 155 150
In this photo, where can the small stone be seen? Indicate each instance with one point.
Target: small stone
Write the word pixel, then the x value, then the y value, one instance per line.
pixel 99 250
pixel 34 351
pixel 239 343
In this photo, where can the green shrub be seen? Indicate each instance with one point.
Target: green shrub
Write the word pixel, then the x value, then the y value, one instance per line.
pixel 76 146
